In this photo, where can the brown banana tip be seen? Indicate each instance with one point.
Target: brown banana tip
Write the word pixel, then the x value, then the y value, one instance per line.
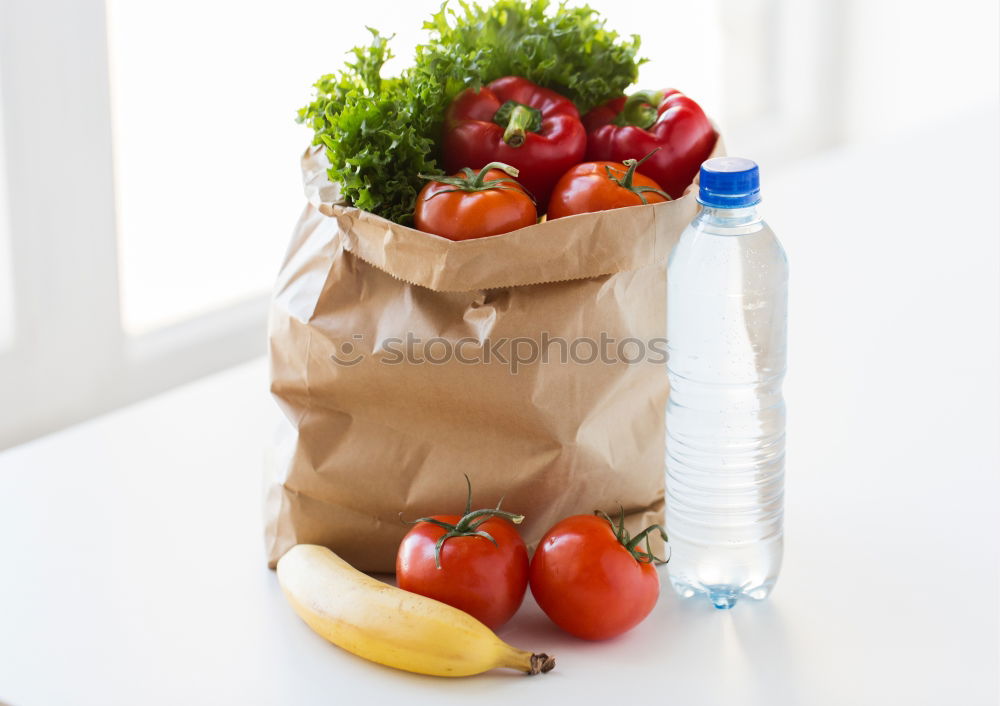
pixel 542 663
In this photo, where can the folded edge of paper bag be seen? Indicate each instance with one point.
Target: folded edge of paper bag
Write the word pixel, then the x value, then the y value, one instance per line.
pixel 577 247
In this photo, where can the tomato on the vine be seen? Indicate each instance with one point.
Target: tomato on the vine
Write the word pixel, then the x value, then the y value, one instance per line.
pixel 470 205
pixel 476 562
pixel 602 186
pixel 592 579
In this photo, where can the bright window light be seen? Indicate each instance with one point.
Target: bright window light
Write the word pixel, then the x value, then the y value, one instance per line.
pixel 204 96
pixel 6 272
pixel 690 61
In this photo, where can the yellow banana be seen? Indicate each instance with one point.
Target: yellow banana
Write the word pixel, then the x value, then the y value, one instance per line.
pixel 391 626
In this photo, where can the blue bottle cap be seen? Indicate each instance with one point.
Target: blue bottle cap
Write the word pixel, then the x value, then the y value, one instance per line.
pixel 729 182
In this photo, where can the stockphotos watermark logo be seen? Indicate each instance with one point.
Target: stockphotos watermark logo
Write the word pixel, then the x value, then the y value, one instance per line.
pixel 515 353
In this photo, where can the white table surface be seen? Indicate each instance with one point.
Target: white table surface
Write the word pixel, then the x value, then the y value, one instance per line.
pixel 131 560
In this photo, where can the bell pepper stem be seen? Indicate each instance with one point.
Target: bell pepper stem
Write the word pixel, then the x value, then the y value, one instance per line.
pixel 641 109
pixel 517 126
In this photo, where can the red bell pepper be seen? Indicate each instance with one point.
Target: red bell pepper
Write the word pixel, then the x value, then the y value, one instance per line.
pixel 514 121
pixel 631 127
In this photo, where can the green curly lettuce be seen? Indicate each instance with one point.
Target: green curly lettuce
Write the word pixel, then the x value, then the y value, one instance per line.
pixel 380 133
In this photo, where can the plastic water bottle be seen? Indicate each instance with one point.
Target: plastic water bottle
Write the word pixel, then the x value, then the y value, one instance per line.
pixel 727 307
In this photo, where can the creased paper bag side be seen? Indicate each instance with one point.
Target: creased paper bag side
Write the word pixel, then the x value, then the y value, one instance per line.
pixel 367 436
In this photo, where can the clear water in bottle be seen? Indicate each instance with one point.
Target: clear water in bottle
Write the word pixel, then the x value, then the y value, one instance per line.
pixel 727 306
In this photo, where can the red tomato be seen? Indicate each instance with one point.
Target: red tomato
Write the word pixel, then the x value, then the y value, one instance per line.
pixel 468 205
pixel 486 580
pixel 589 582
pixel 602 186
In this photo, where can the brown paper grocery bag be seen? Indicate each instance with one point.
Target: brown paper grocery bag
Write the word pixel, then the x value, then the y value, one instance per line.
pixel 533 362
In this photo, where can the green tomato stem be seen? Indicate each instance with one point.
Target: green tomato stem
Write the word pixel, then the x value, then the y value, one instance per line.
pixel 471 181
pixel 626 181
pixel 632 545
pixel 468 525
pixel 480 179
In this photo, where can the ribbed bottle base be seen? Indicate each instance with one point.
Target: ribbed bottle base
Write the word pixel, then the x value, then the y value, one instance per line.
pixel 722 596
